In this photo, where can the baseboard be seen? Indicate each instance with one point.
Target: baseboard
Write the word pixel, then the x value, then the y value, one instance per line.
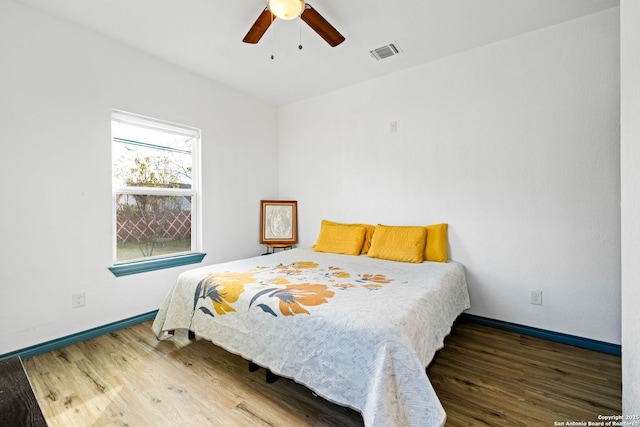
pixel 34 350
pixel 601 346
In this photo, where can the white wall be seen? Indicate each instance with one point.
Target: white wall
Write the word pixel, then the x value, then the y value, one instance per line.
pixel 58 84
pixel 630 173
pixel 515 145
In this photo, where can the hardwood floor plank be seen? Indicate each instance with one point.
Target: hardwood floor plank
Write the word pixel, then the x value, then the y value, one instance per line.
pixel 483 377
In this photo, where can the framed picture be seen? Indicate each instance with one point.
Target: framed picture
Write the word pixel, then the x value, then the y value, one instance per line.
pixel 278 222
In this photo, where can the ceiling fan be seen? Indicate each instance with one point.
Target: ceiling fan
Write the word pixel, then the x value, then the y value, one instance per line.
pixel 291 9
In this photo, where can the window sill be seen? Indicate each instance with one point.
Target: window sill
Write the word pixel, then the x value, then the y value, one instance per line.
pixel 136 267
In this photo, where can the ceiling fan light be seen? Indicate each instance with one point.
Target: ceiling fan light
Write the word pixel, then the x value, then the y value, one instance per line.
pixel 286 9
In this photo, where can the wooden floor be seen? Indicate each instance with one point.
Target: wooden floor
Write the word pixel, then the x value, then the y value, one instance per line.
pixel 489 377
pixel 483 376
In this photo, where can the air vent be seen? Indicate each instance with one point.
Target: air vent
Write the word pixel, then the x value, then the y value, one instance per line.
pixel 385 51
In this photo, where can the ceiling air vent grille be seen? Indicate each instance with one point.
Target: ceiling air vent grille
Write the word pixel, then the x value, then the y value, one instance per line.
pixel 385 51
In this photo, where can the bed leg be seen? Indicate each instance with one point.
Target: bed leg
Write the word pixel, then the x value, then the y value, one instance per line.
pixel 271 377
pixel 192 335
pixel 435 356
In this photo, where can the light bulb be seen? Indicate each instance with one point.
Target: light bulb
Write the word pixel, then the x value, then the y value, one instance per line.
pixel 286 9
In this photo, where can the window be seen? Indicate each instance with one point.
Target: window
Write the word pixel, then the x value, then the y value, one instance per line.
pixel 155 176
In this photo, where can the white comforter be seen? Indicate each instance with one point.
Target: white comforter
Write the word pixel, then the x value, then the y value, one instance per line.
pixel 356 330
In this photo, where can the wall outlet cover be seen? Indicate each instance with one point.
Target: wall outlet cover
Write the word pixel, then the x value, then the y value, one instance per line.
pixel 77 300
pixel 536 297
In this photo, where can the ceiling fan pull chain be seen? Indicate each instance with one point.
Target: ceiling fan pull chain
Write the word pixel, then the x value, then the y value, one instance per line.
pixel 300 45
pixel 273 43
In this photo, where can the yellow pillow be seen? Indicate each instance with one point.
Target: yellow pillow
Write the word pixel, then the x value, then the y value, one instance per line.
pixel 368 234
pixel 398 243
pixel 436 247
pixel 340 238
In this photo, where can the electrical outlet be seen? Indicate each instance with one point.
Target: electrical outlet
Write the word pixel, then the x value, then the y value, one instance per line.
pixel 536 297
pixel 77 300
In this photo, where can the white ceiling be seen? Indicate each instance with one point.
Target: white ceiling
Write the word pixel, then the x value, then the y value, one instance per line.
pixel 205 36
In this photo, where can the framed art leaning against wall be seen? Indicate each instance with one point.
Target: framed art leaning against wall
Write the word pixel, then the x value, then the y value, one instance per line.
pixel 278 222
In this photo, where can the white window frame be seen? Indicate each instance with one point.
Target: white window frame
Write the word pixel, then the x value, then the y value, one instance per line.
pixel 167 260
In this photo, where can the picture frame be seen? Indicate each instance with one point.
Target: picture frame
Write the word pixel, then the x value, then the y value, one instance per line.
pixel 278 222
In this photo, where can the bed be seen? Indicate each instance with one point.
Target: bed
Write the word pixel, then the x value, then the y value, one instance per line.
pixel 358 331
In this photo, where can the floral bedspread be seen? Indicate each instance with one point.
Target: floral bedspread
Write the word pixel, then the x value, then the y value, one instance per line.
pixel 358 331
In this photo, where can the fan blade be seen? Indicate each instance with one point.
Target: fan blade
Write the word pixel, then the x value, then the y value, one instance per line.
pixel 259 27
pixel 321 26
